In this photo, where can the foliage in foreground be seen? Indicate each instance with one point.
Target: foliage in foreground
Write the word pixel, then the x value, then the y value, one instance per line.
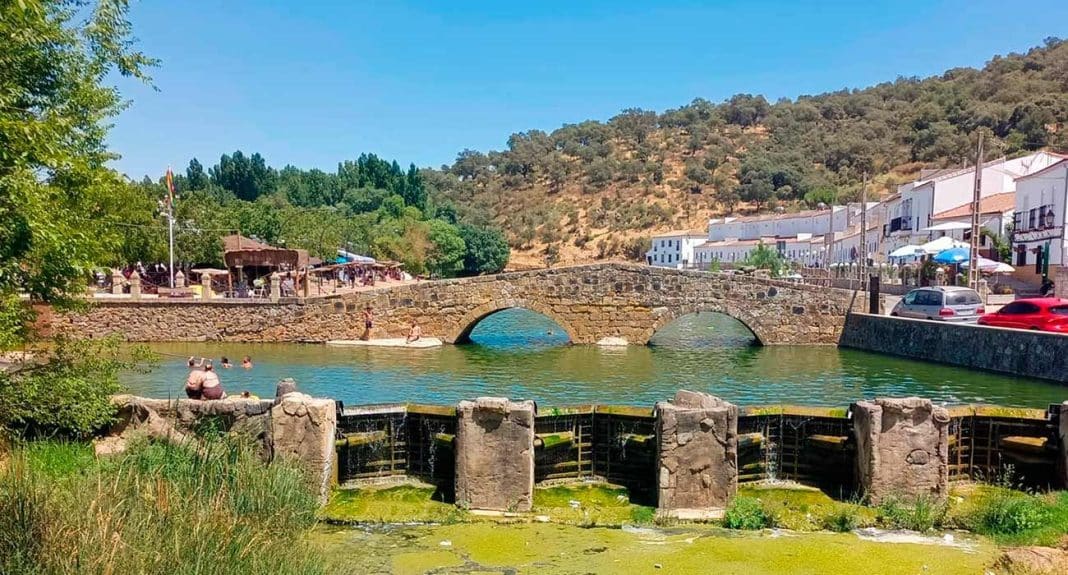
pixel 207 509
pixel 69 393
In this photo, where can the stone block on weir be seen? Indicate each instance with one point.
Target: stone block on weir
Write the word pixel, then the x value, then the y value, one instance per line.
pixel 902 448
pixel 697 452
pixel 303 429
pixel 495 454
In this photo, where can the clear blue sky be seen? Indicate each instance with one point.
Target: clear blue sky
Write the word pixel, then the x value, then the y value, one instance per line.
pixel 311 83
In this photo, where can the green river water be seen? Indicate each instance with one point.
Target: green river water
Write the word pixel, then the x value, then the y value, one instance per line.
pixel 521 354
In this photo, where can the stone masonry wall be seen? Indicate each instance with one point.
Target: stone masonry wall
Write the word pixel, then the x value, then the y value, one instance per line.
pixel 590 302
pixel 1017 352
pixel 902 448
pixel 697 452
pixel 495 454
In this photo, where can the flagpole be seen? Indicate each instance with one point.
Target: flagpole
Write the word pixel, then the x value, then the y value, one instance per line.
pixel 170 223
pixel 170 238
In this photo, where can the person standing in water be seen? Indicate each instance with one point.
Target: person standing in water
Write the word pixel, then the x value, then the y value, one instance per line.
pixel 368 322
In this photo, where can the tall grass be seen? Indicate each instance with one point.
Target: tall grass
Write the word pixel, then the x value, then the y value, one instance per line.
pixel 209 508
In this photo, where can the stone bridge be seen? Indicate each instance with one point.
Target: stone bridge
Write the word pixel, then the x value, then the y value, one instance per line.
pixel 590 302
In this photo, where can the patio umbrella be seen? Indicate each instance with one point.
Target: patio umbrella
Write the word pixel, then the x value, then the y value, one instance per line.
pixel 992 267
pixel 947 227
pixel 907 251
pixel 953 256
pixel 942 244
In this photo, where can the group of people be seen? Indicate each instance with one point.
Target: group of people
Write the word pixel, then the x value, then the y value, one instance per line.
pixel 203 381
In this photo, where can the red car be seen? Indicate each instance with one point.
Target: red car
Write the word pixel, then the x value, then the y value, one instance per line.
pixel 1042 313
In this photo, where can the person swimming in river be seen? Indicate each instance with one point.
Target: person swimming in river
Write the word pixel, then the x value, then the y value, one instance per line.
pixel 194 382
pixel 414 333
pixel 225 363
pixel 211 387
pixel 246 362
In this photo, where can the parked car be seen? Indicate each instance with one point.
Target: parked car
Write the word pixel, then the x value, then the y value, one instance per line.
pixel 944 303
pixel 1040 313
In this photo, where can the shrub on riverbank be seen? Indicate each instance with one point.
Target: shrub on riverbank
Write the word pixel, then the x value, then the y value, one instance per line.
pixel 212 508
pixel 68 392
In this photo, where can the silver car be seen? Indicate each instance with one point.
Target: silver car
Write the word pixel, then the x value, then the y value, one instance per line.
pixel 943 303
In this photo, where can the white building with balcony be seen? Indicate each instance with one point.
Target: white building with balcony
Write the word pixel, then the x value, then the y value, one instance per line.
pixel 674 249
pixel 916 204
pixel 1039 219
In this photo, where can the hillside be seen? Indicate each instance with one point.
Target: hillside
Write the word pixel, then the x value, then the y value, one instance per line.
pixel 594 190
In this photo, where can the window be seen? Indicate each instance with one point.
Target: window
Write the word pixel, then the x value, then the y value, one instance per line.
pixel 963 298
pixel 1019 308
pixel 929 297
pixel 1059 310
pixel 1031 217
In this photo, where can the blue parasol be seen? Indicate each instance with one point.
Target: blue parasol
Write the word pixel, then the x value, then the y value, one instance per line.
pixel 953 256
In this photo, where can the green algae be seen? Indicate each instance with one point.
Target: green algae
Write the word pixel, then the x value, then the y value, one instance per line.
pixel 558 549
pixel 806 508
pixel 588 505
pixel 395 504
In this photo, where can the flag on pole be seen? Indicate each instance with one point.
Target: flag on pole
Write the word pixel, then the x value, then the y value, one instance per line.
pixel 170 187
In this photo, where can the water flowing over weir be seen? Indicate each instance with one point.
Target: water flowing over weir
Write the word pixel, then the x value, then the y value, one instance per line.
pixel 811 446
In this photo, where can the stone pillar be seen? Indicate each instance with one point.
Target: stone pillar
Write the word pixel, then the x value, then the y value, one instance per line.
pixel 303 429
pixel 179 279
pixel 495 454
pixel 285 387
pixel 117 279
pixel 205 287
pixel 1064 445
pixel 135 285
pixel 697 454
pixel 902 448
pixel 276 287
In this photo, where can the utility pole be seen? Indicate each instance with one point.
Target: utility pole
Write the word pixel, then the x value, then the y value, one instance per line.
pixel 973 260
pixel 864 230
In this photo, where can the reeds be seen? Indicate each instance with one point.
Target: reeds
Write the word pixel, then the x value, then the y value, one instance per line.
pixel 205 508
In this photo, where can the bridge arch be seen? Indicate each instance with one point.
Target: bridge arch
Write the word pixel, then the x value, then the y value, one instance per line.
pixel 666 315
pixel 461 331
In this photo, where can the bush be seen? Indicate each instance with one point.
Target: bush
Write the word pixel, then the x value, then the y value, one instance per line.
pixel 842 519
pixel 1006 513
pixel 212 508
pixel 746 513
pixel 922 514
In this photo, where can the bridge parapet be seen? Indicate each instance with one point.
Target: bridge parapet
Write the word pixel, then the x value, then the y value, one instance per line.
pixel 590 302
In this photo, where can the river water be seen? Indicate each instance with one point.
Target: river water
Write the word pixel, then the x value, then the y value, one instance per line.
pixel 524 355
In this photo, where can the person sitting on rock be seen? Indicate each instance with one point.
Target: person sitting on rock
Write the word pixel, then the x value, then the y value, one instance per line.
pixel 211 388
pixel 414 333
pixel 194 382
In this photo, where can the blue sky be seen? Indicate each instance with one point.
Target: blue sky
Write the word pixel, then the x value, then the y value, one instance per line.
pixel 311 83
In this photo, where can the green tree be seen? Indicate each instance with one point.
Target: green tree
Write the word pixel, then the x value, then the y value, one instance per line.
pixel 765 258
pixel 54 118
pixel 446 255
pixel 248 177
pixel 196 178
pixel 485 250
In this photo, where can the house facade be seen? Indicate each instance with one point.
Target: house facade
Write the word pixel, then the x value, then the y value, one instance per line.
pixel 1038 225
pixel 674 249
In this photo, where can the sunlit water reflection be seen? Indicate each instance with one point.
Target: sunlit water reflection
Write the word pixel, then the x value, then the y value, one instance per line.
pixel 521 354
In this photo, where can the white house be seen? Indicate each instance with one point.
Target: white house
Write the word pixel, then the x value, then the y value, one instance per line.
pixel 784 225
pixel 674 249
pixel 1039 218
pixel 915 205
pixel 995 216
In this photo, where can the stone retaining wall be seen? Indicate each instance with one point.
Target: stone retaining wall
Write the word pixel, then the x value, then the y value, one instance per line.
pixel 1016 352
pixel 590 303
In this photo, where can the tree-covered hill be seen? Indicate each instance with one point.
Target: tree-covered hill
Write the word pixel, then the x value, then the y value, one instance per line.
pixel 595 189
